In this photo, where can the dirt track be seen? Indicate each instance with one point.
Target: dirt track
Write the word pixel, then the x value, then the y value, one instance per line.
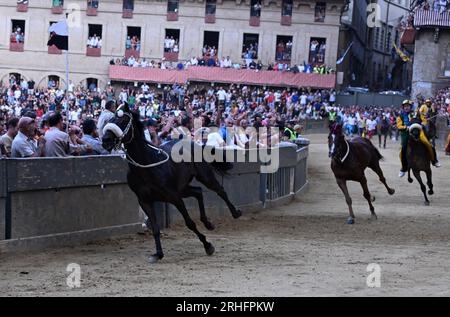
pixel 305 248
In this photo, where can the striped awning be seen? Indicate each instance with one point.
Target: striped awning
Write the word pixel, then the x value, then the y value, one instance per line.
pixel 221 75
pixel 431 18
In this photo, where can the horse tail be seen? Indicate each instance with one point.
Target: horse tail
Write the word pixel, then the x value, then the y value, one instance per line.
pixel 379 156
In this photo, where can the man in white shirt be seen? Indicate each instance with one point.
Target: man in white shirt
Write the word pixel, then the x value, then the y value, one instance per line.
pixel 194 61
pixel 145 88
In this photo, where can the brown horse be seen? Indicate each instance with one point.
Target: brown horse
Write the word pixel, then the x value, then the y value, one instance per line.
pixel 349 159
pixel 418 160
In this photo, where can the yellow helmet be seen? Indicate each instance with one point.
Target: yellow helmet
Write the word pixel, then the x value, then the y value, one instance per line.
pixel 406 102
pixel 428 101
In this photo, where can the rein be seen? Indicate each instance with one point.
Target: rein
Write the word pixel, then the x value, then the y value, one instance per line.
pixel 128 158
pixel 347 153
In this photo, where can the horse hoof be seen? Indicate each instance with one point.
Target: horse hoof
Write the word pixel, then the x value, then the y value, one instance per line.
pixel 350 221
pixel 430 192
pixel 210 249
pixel 427 203
pixel 372 198
pixel 373 217
pixel 154 258
pixel 209 226
pixel 237 214
pixel 410 180
pixel 391 191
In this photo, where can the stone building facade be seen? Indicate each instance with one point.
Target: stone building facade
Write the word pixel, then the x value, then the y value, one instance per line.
pixel 231 25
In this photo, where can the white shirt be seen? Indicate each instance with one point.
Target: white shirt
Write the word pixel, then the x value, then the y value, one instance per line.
pixel 351 120
pixel 221 94
pixel 371 124
pixel 215 140
pixel 145 87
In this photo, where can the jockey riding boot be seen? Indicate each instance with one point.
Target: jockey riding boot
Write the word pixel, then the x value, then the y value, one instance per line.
pixel 435 162
pixel 404 163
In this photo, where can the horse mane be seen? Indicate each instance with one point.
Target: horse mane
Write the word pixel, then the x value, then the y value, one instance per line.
pixel 138 123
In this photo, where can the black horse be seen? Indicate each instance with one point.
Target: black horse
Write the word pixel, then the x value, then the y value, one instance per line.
pixel 418 160
pixel 154 176
pixel 349 159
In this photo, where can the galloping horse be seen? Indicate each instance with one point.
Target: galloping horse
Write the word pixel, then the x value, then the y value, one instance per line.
pixel 169 182
pixel 418 160
pixel 349 159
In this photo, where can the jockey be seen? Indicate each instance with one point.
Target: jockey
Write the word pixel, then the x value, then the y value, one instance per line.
pixel 404 121
pixel 426 111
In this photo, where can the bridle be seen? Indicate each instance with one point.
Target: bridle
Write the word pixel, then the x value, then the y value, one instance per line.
pixel 120 144
pixel 346 153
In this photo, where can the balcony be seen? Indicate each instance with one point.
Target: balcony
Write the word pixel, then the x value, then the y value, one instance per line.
pixel 286 20
pixel 91 11
pixel 171 56
pixel 94 52
pixel 132 52
pixel 16 47
pixel 57 10
pixel 172 16
pixel 210 18
pixel 22 7
pixel 408 36
pixel 431 18
pixel 54 50
pixel 254 21
pixel 127 13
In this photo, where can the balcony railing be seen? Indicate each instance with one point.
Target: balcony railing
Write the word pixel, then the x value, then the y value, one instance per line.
pixel 54 50
pixel 57 10
pixel 22 7
pixel 210 18
pixel 171 56
pixel 91 11
pixel 286 20
pixel 93 51
pixel 172 16
pixel 131 52
pixel 16 47
pixel 431 18
pixel 254 21
pixel 127 13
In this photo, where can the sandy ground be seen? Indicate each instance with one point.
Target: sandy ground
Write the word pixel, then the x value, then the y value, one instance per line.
pixel 302 249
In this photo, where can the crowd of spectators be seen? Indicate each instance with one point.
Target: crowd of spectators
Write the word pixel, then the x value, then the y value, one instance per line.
pixel 94 41
pixel 171 45
pixel 17 35
pixel 47 122
pixel 133 43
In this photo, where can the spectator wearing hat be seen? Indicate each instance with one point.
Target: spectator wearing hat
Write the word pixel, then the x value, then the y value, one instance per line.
pixel 91 137
pixel 24 144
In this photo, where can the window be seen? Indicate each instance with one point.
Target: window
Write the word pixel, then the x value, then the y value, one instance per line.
pixel 14 79
pixel 92 4
pixel 255 8
pixel 319 12
pixel 53 81
pixel 171 41
pixel 57 3
pixel 128 5
pixel 286 8
pixel 95 36
pixel 92 84
pixel 317 48
pixel 284 48
pixel 17 31
pixel 210 7
pixel 172 6
pixel 53 49
pixel 133 41
pixel 377 37
pixel 250 46
pixel 22 5
pixel 210 44
pixel 381 44
pixel 388 43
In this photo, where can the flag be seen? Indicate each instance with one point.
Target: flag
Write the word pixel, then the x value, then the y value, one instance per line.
pixel 402 55
pixel 59 33
pixel 340 60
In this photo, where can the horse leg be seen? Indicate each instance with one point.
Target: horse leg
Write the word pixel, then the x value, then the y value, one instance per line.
pixel 377 169
pixel 179 204
pixel 385 137
pixel 422 186
pixel 209 180
pixel 410 180
pixel 342 183
pixel 429 182
pixel 367 196
pixel 151 221
pixel 197 193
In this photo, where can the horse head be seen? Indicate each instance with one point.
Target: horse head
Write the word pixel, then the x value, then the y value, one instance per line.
pixel 414 131
pixel 119 130
pixel 334 139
